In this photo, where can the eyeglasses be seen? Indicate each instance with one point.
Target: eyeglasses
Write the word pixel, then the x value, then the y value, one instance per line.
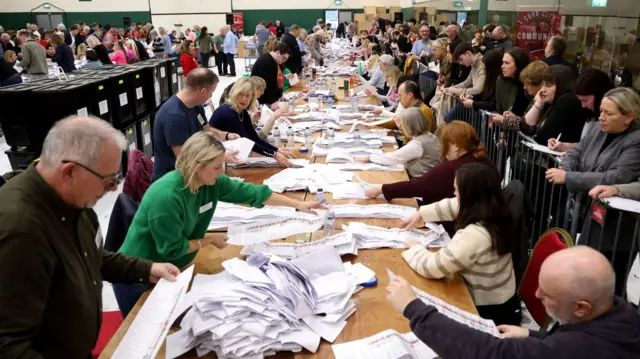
pixel 104 179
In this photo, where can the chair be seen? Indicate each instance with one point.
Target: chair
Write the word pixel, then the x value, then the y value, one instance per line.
pixel 110 323
pixel 121 218
pixel 551 241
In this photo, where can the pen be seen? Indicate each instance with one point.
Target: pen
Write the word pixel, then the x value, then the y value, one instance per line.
pixel 558 139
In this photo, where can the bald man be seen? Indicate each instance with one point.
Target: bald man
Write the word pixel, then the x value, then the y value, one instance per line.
pixel 576 288
pixel 503 40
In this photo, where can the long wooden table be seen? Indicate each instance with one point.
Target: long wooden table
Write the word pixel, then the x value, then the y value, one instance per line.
pixel 373 312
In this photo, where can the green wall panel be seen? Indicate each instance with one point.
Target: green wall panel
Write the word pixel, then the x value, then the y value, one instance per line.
pixel 407 13
pixel 16 20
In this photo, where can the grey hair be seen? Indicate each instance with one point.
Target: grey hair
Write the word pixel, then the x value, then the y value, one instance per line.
pixel 502 29
pixel 414 122
pixel 80 139
pixel 627 101
pixel 5 36
pixel 386 59
pixel 61 27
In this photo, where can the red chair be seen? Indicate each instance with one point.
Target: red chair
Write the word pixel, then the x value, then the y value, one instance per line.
pixel 110 323
pixel 551 241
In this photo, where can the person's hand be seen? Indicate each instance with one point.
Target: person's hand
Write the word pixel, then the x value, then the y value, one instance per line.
pixel 230 157
pixel 289 76
pixel 509 114
pixel 377 111
pixel 282 159
pixel 255 117
pixel 283 112
pixel 556 175
pixel 411 221
pixel 232 136
pixel 217 241
pixel 466 96
pixel 373 191
pixel 163 270
pixel 446 90
pixel 497 119
pixel 274 106
pixel 466 102
pixel 287 153
pixel 400 294
pixel 308 206
pixel 512 331
pixel 410 244
pixel 370 93
pixel 362 159
pixel 602 191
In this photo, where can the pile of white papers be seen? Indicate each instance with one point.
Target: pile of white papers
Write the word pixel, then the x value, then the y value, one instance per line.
pixel 323 93
pixel 455 313
pixel 228 214
pixel 243 145
pixel 298 223
pixel 384 345
pixel 266 304
pixel 292 95
pixel 354 151
pixel 371 237
pixel 343 243
pixel 327 116
pixel 373 211
pixel 310 178
pixel 350 142
pixel 356 166
pixel 151 325
pixel 268 162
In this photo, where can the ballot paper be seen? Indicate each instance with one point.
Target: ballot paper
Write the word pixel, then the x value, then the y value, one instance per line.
pixel 354 151
pixel 311 177
pixel 337 156
pixel 267 162
pixel 377 122
pixel 228 214
pixel 351 190
pixel 350 142
pixel 371 237
pixel 366 167
pixel 472 320
pixel 343 242
pixel 359 272
pixel 543 149
pixel 266 304
pixel 373 211
pixel 363 88
pixel 292 94
pixel 243 145
pixel 294 80
pixel 385 345
pixel 264 231
pixel 151 325
pixel 623 204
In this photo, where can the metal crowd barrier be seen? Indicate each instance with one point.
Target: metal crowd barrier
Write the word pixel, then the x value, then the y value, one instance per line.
pixel 553 205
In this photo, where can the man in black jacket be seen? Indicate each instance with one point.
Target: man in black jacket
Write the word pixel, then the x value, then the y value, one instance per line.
pixel 294 63
pixel 279 29
pixel 503 40
pixel 576 288
pixel 459 72
pixel 266 67
pixel 554 51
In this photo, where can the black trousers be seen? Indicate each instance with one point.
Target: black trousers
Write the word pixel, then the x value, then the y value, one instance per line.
pixel 508 312
pixel 221 60
pixel 205 59
pixel 232 64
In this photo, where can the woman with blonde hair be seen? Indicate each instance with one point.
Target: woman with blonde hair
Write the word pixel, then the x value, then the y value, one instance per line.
pixel 132 50
pixel 420 154
pixel 172 220
pixel 256 113
pixel 81 51
pixel 101 51
pixel 234 117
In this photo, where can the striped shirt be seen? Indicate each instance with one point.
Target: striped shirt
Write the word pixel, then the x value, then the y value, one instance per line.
pixel 489 276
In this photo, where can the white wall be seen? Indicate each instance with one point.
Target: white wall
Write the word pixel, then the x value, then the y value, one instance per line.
pixel 75 5
pixel 629 8
pixel 317 4
pixel 189 6
pixel 406 3
pixel 213 22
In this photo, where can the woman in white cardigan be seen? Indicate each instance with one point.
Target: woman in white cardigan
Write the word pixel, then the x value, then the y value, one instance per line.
pixel 481 248
pixel 420 154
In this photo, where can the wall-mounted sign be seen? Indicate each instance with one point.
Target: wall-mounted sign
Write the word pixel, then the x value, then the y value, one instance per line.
pixel 598 3
pixel 457 4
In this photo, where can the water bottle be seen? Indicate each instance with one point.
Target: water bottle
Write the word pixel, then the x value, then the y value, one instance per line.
pixel 354 104
pixel 356 138
pixel 320 196
pixel 331 136
pixel 290 139
pixel 307 137
pixel 270 138
pixel 320 98
pixel 277 141
pixel 330 101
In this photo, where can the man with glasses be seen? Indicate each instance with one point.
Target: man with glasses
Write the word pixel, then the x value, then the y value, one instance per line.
pixel 266 67
pixel 422 47
pixel 52 261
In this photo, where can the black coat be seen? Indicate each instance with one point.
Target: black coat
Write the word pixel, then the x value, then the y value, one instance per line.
pixel 64 58
pixel 558 60
pixel 294 62
pixel 267 68
pixel 142 52
pixel 103 54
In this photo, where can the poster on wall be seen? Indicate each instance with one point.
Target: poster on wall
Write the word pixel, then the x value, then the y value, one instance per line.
pixel 534 28
pixel 238 23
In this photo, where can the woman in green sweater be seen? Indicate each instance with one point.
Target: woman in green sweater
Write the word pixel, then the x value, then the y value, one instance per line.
pixel 172 220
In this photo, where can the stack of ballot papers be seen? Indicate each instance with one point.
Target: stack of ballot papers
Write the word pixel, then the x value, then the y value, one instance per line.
pixel 385 345
pixel 354 151
pixel 243 145
pixel 343 242
pixel 323 93
pixel 366 107
pixel 256 232
pixel 373 211
pixel 371 237
pixel 268 162
pixel 292 95
pixel 356 166
pixel 472 320
pixel 266 304
pixel 311 177
pixel 327 116
pixel 350 142
pixel 228 214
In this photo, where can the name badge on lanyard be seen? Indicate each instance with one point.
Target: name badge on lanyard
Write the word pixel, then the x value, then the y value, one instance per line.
pixel 201 120
pixel 206 207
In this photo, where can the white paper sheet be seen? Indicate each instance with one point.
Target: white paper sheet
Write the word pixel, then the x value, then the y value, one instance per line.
pixel 265 231
pixel 351 190
pixel 294 80
pixel 543 149
pixel 623 204
pixel 243 145
pixel 356 166
pixel 370 237
pixel 633 282
pixel 385 345
pixel 343 242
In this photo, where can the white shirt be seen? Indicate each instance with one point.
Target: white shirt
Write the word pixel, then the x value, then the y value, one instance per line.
pixel 406 153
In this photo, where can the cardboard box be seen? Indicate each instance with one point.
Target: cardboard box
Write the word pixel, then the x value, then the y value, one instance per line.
pixel 431 11
pixel 368 17
pixel 361 22
pixel 385 16
pixel 394 9
pixel 369 10
pixel 381 10
pixel 417 9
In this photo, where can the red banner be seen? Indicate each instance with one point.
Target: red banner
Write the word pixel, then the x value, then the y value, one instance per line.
pixel 534 29
pixel 238 22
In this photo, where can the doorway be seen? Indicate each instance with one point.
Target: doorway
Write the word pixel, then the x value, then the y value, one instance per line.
pixel 49 20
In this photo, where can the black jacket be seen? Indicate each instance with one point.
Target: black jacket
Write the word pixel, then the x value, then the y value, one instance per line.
pixel 294 62
pixel 103 54
pixel 614 334
pixel 565 117
pixel 142 52
pixel 267 68
pixel 121 217
pixel 280 31
pixel 67 37
pixel 6 70
pixel 558 60
pixel 64 58
pixel 504 44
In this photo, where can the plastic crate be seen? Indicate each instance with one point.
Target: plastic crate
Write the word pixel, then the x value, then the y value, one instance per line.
pixel 145 142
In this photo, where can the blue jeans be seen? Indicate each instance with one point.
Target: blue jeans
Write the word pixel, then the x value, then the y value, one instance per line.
pixel 127 295
pixel 455 113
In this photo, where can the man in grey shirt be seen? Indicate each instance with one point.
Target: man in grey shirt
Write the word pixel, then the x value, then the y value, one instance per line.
pixel 34 56
pixel 166 41
pixel 262 35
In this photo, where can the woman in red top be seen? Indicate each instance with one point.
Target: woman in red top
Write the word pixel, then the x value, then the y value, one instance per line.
pixel 272 28
pixel 460 145
pixel 187 59
pixel 44 41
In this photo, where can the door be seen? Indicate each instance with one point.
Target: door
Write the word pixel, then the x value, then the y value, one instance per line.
pixel 345 16
pixel 55 20
pixel 43 21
